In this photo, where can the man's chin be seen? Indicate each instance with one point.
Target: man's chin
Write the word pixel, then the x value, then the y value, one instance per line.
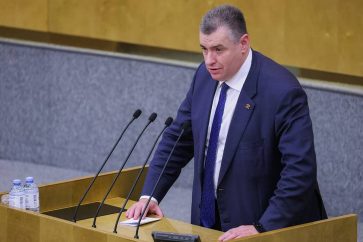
pixel 217 77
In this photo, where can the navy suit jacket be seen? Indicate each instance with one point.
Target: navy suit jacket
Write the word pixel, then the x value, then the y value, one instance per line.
pixel 268 172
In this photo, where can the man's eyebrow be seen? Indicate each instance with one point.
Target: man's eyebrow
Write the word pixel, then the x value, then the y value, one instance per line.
pixel 213 47
pixel 219 46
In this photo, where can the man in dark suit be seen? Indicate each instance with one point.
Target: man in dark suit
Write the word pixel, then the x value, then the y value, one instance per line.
pixel 251 138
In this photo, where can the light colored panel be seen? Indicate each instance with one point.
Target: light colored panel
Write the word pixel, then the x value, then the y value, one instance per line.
pixel 337 229
pixel 88 235
pixel 266 25
pixel 31 15
pixel 22 225
pixel 106 224
pixel 173 24
pixel 55 230
pixel 3 222
pixel 25 226
pixel 51 199
pixel 311 35
pixel 168 24
pixel 320 35
pixel 68 193
pixel 154 23
pixel 350 37
pixel 87 18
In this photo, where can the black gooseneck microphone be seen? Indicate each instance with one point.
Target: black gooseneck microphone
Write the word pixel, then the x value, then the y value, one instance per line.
pixel 151 119
pixel 167 124
pixel 136 114
pixel 185 126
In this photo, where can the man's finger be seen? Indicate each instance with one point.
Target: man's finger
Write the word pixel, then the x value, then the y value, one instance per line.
pixel 224 236
pixel 158 211
pixel 227 236
pixel 138 211
pixel 130 212
pixel 146 212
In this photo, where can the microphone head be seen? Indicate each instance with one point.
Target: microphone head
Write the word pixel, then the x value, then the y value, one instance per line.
pixel 137 113
pixel 186 124
pixel 152 117
pixel 168 121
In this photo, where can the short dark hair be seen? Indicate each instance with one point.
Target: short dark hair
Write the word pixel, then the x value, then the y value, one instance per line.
pixel 224 15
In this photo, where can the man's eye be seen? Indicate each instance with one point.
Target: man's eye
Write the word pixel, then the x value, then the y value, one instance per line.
pixel 218 50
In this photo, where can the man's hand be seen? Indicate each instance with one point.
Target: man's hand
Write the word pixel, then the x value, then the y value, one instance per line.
pixel 135 210
pixel 239 232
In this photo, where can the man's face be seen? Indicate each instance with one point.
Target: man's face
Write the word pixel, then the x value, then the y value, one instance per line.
pixel 223 57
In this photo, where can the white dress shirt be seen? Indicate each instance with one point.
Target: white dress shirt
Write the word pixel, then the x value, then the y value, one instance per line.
pixel 235 86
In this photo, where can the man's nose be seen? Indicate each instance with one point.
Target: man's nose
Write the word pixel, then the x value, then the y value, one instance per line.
pixel 209 58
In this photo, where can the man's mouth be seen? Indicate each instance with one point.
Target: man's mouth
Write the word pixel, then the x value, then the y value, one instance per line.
pixel 214 70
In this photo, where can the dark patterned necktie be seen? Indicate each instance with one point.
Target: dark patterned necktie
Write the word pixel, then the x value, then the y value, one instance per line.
pixel 207 213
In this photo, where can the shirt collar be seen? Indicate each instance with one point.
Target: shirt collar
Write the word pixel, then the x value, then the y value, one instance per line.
pixel 237 81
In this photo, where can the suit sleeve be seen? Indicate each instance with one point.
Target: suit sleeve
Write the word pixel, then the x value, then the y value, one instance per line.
pixel 298 175
pixel 182 154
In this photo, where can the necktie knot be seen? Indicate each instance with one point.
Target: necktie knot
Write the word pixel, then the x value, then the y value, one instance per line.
pixel 224 87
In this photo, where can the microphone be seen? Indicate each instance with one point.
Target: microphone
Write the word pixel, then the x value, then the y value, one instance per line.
pixel 167 124
pixel 185 126
pixel 151 119
pixel 136 114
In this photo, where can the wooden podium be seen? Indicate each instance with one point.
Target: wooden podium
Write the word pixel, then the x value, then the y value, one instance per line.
pixel 18 225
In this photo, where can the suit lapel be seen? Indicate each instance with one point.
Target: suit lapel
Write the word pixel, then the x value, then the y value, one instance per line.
pixel 241 116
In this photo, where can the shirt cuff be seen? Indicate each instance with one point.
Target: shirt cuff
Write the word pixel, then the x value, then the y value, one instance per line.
pixel 152 198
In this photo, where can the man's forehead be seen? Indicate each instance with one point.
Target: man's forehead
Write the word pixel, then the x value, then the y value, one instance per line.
pixel 216 38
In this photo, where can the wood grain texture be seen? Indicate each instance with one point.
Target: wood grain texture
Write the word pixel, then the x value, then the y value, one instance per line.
pixel 20 225
pixel 320 35
pixel 68 193
pixel 338 229
pixel 30 15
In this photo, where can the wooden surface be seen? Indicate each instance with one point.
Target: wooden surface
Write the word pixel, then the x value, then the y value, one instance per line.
pixel 320 35
pixel 68 193
pixel 19 225
pixel 106 224
pixel 338 229
pixel 31 15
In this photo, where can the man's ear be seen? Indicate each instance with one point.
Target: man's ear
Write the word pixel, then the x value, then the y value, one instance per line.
pixel 245 43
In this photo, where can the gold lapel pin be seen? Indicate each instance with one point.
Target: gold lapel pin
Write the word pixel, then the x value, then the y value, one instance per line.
pixel 248 106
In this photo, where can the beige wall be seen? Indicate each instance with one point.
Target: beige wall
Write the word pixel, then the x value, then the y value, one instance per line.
pixel 321 35
pixel 32 15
